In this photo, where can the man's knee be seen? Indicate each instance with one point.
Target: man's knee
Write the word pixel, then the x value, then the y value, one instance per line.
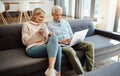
pixel 69 50
pixel 88 46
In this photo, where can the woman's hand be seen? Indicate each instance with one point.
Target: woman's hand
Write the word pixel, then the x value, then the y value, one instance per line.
pixel 41 30
pixel 50 34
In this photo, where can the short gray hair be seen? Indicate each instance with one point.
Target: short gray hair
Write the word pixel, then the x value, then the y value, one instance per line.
pixel 56 7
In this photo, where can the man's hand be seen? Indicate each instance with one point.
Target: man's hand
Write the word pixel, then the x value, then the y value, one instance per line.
pixel 65 41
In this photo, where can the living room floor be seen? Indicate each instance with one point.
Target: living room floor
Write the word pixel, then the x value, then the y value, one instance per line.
pixel 98 65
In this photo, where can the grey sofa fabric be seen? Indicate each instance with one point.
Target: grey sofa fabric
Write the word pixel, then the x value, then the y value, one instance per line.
pixel 110 70
pixel 101 39
pixel 12 59
pixel 15 62
pixel 81 24
pixel 103 46
pixel 10 37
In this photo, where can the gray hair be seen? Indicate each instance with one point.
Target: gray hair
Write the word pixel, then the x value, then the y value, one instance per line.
pixel 56 7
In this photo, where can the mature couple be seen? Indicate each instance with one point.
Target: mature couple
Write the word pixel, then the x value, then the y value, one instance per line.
pixel 43 40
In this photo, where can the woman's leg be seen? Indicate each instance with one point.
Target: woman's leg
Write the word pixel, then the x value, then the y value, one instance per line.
pixel 41 51
pixel 54 53
pixel 37 51
pixel 58 61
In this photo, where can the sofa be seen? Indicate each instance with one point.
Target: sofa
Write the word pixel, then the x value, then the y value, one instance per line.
pixel 15 62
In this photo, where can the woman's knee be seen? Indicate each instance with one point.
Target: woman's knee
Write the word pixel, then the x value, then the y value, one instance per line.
pixel 53 38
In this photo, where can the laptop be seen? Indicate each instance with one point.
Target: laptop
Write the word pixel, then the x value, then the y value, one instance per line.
pixel 78 37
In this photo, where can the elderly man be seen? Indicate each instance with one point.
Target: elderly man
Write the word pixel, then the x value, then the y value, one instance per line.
pixel 63 32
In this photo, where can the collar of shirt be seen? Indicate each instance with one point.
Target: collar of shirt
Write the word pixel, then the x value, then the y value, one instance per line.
pixel 61 30
pixel 56 23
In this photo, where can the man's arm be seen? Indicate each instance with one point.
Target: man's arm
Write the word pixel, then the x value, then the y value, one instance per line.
pixel 70 30
pixel 65 41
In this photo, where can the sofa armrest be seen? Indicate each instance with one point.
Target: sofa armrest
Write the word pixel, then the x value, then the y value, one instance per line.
pixel 112 35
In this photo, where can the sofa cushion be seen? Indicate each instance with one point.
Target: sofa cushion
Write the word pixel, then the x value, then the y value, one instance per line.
pixel 98 41
pixel 10 37
pixel 15 61
pixel 81 24
pixel 11 60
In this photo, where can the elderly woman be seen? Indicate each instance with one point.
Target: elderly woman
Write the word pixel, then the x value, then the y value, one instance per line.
pixel 41 43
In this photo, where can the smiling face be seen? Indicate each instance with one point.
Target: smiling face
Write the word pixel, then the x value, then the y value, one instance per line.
pixel 57 15
pixel 39 17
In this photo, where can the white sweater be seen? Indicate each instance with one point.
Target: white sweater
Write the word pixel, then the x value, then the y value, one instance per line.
pixel 31 35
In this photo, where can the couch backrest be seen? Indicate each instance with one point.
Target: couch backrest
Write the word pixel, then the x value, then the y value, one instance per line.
pixel 81 24
pixel 10 37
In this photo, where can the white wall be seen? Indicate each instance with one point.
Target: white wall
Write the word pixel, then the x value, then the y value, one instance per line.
pixel 106 12
pixel 46 6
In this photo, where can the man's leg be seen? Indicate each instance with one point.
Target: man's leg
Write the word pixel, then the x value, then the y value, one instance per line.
pixel 88 49
pixel 74 60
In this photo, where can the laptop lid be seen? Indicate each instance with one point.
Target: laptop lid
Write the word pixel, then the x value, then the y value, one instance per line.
pixel 78 37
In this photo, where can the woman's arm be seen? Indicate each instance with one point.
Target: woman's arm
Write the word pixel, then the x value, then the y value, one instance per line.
pixel 28 38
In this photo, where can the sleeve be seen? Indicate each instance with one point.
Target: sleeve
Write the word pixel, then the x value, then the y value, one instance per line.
pixel 46 29
pixel 70 30
pixel 49 26
pixel 27 38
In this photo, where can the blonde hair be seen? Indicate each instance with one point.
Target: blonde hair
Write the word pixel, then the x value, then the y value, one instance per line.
pixel 37 11
pixel 56 7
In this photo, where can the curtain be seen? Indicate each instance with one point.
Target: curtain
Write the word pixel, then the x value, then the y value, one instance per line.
pixel 62 4
pixel 78 8
pixel 117 18
pixel 70 7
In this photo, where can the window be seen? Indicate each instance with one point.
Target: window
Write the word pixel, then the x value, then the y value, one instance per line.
pixel 118 29
pixel 96 9
pixel 90 9
pixel 86 7
pixel 117 19
pixel 81 8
